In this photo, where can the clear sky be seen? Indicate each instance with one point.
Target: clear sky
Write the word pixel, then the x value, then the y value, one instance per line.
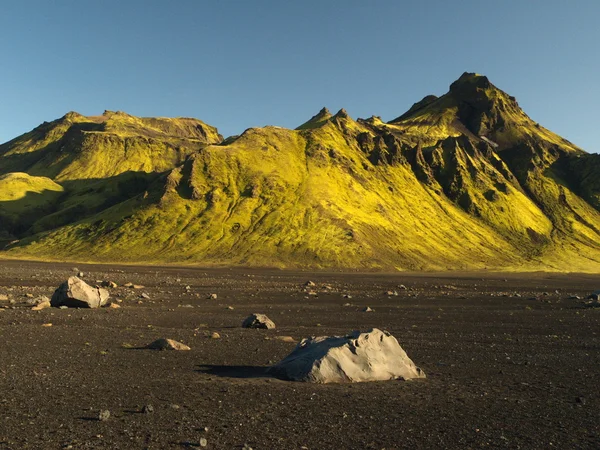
pixel 239 64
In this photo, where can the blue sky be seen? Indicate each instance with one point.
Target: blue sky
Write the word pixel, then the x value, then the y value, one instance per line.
pixel 239 64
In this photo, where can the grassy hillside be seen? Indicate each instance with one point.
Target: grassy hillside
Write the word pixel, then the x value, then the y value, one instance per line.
pixel 463 181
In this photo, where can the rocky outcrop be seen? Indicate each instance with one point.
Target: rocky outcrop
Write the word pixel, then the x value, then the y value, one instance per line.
pixel 371 356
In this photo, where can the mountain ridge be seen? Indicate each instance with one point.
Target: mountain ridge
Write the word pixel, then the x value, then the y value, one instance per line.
pixel 462 181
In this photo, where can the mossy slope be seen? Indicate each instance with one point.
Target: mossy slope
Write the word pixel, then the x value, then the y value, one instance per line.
pixel 463 181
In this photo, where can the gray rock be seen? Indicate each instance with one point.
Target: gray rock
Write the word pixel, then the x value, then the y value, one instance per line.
pixel 75 293
pixel 104 415
pixel 37 300
pixel 148 409
pixel 167 344
pixel 203 442
pixel 371 356
pixel 258 321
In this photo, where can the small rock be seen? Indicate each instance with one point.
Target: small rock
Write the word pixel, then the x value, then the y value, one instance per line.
pixel 258 321
pixel 3 298
pixel 114 305
pixel 80 274
pixel 392 293
pixel 145 296
pixel 215 335
pixel 167 344
pixel 46 324
pixel 230 308
pixel 347 296
pixel 309 283
pixel 289 339
pixel 42 305
pixel 203 442
pixel 38 300
pixel 148 409
pixel 367 309
pixel 138 286
pixel 402 287
pixel 103 415
pixel 212 296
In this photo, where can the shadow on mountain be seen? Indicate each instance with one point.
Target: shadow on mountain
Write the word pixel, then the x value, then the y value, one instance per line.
pixel 80 200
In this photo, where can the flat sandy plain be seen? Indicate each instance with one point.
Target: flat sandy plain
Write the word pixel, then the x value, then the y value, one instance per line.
pixel 503 370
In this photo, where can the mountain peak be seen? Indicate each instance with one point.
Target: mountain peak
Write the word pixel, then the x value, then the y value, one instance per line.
pixel 324 112
pixel 472 87
pixel 342 114
pixel 317 120
pixel 472 78
pixel 73 115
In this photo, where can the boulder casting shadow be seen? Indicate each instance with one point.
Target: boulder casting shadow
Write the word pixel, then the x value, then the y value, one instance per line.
pixel 371 356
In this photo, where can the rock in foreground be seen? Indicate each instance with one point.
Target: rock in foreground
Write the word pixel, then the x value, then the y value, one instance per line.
pixel 167 344
pixel 372 356
pixel 258 321
pixel 76 293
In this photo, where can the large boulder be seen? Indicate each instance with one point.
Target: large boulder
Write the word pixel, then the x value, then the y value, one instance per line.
pixel 258 321
pixel 76 293
pixel 372 356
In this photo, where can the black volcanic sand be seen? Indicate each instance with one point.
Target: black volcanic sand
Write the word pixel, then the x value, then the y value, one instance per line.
pixel 502 370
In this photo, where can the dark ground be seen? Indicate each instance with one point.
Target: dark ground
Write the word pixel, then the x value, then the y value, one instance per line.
pixel 503 371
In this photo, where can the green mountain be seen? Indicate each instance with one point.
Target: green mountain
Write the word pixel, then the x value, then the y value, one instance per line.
pixel 462 181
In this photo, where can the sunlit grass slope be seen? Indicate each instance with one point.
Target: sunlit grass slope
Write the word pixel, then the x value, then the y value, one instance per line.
pixel 461 181
pixel 77 147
